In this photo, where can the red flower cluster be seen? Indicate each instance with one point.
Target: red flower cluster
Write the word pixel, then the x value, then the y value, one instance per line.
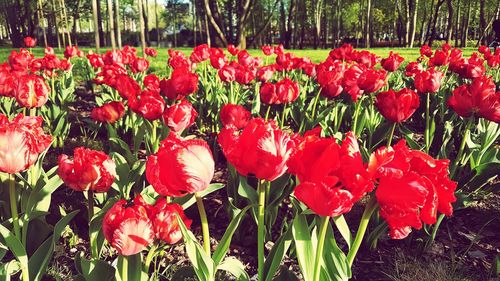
pixel 234 115
pixel 182 82
pixel 428 81
pixel 88 170
pixel 180 116
pixel 412 187
pixel 21 141
pixel 260 148
pixel 332 177
pixel 180 166
pixel 284 91
pixel 392 62
pixel 397 106
pixel 479 98
pixel 109 112
pixel 131 227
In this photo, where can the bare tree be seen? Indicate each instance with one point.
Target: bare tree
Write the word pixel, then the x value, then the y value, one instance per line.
pixel 111 24
pixel 413 25
pixel 117 28
pixel 449 27
pixel 367 23
pixel 141 24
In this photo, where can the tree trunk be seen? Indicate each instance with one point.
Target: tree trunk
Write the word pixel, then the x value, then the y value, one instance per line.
pixel 111 24
pixel 207 29
pixel 482 20
pixel 96 25
pixel 465 26
pixel 117 28
pixel 42 22
pixel 413 22
pixel 76 17
pixel 141 25
pixel 367 23
pixel 449 28
pixel 218 30
pixel 145 11
pixel 317 21
pixel 65 18
pixel 457 23
pixel 434 22
pixel 407 22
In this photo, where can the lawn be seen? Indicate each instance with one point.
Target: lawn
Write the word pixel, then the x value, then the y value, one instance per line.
pixel 158 64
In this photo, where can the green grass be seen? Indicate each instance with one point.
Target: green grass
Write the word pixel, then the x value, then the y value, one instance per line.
pixel 158 64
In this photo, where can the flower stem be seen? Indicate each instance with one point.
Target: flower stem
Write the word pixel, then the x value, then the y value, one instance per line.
pixel 283 116
pixel 389 140
pixel 204 223
pixel 316 98
pixel 363 224
pixel 124 269
pixel 357 107
pixel 460 153
pixel 149 258
pixel 427 124
pixel 319 249
pixel 13 206
pixel 261 229
pixel 90 198
pixel 267 112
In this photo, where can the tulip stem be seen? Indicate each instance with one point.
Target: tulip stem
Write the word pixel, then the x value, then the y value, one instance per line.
pixel 261 228
pixel 316 98
pixel 357 107
pixel 363 224
pixel 90 198
pixel 124 269
pixel 319 249
pixel 204 223
pixel 283 116
pixel 267 112
pixel 427 124
pixel 149 258
pixel 460 153
pixel 13 206
pixel 389 140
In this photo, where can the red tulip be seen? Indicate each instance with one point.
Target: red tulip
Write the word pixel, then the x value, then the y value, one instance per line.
pixel 265 73
pixel 246 60
pixel 366 58
pixel 31 91
pixel 329 77
pixel 328 187
pixel 428 81
pixel 180 167
pixel 425 50
pixel 412 187
pixel 478 98
pixel 139 65
pixel 261 148
pixel 71 51
pixel 95 60
pixel 51 62
pixel 151 52
pixel 200 53
pixel 165 223
pixel 344 53
pixel 279 49
pixel 152 82
pixel 88 170
pixel 440 58
pixel 109 112
pixel 20 61
pixel 350 81
pixel 126 86
pixel 29 42
pixel 217 58
pixel 267 50
pixel 180 84
pixel 6 80
pixel 372 80
pixel 21 141
pixel 178 60
pixel 232 49
pixel 149 104
pixel 114 57
pixel 235 115
pixel 287 90
pixel 180 116
pixel 268 93
pixel 413 68
pixel 244 75
pixel 128 228
pixel 227 73
pixel 397 106
pixel 392 62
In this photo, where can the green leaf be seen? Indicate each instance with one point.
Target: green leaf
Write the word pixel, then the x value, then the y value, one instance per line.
pixel 39 261
pixel 225 241
pixel 94 269
pixel 202 263
pixel 134 267
pixel 335 263
pixel 95 234
pixel 236 268
pixel 247 191
pixel 188 200
pixel 304 246
pixel 15 246
pixel 121 147
pixel 343 228
pixel 275 256
pixel 285 274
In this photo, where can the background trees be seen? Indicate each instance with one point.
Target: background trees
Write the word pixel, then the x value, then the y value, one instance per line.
pixel 249 23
